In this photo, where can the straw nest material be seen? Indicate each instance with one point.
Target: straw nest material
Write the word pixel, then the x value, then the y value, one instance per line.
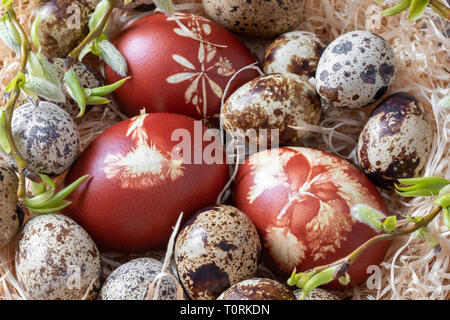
pixel 410 270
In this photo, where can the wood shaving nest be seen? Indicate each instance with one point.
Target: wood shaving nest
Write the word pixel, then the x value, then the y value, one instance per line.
pixel 410 270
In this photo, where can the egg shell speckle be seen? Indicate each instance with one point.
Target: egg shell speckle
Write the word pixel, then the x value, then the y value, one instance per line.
pixel 63 25
pixel 217 247
pixel 396 140
pixel 356 69
pixel 258 289
pixel 132 280
pixel 256 18
pixel 272 101
pixel 317 294
pixel 57 260
pixel 10 215
pixel 295 52
pixel 136 5
pixel 46 135
pixel 87 77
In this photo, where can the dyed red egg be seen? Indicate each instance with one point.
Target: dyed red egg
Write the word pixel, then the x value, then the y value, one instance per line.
pixel 172 72
pixel 142 175
pixel 299 200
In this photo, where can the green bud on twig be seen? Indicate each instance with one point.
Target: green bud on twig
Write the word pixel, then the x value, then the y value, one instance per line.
pixel 35 32
pixel 417 8
pixel 426 186
pixel 113 57
pixel 165 6
pixel 75 91
pixel 368 215
pixel 34 86
pixel 9 34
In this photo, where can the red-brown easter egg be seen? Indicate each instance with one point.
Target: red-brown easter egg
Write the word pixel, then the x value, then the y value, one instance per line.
pixel 299 200
pixel 143 172
pixel 173 72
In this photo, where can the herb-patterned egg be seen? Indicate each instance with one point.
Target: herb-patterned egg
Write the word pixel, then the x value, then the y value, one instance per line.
pixel 46 136
pixel 10 215
pixel 63 25
pixel 396 140
pixel 272 102
pixel 216 248
pixel 258 289
pixel 57 260
pixel 356 69
pixel 295 52
pixel 133 280
pixel 256 18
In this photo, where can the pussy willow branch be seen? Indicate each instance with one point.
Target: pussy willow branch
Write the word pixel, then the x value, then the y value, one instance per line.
pixel 353 256
pixel 14 95
pixel 95 32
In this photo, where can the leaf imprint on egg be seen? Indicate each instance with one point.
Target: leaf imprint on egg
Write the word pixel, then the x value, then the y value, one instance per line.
pixel 145 165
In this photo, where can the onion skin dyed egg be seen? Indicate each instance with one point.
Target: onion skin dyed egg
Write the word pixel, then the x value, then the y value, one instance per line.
pixel 396 141
pixel 299 200
pixel 172 72
pixel 136 189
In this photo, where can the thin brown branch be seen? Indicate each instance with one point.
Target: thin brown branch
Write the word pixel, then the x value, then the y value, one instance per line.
pixel 353 256
pixel 10 105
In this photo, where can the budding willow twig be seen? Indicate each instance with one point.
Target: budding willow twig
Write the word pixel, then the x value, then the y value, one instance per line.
pixel 95 32
pixel 353 256
pixel 14 95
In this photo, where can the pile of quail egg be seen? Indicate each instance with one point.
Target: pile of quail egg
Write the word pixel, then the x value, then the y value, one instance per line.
pixel 218 250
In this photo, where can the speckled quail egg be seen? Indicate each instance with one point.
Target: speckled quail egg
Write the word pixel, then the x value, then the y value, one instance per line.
pixel 317 294
pixel 294 52
pixel 272 102
pixel 87 77
pixel 256 18
pixel 137 5
pixel 63 25
pixel 46 136
pixel 356 69
pixel 10 215
pixel 396 140
pixel 216 248
pixel 132 281
pixel 57 260
pixel 258 289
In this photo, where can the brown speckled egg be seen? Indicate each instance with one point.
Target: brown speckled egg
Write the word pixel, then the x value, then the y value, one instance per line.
pixel 396 140
pixel 63 25
pixel 57 260
pixel 273 101
pixel 10 215
pixel 295 52
pixel 46 136
pixel 258 289
pixel 218 247
pixel 356 69
pixel 256 18
pixel 132 281
pixel 136 5
pixel 317 294
pixel 87 76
